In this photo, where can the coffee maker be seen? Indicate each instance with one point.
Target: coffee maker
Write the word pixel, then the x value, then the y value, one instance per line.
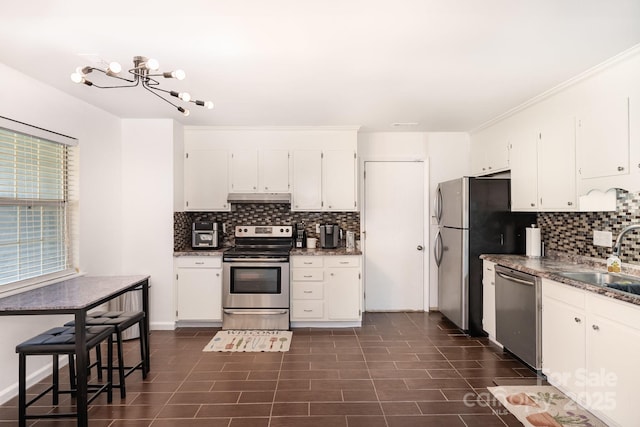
pixel 300 236
pixel 329 236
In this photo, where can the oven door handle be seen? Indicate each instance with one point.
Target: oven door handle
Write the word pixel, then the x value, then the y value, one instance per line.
pixel 269 260
pixel 255 312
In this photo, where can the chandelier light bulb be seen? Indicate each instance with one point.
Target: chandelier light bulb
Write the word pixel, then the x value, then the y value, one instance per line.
pixel 153 64
pixel 209 105
pixel 184 111
pixel 185 96
pixel 77 77
pixel 178 74
pixel 115 67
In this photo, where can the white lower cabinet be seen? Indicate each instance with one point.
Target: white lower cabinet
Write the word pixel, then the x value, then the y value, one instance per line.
pixel 198 288
pixel 489 299
pixel 326 289
pixel 590 347
pixel 563 336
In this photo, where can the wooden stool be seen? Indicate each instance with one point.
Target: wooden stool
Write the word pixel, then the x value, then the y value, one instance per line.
pixel 56 342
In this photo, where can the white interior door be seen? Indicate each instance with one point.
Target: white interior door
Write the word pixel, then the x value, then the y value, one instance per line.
pixel 394 235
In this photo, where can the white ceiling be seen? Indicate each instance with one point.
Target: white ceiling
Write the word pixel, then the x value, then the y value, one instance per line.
pixel 449 65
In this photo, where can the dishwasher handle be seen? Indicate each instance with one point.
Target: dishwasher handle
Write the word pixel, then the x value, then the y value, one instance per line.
pixel 516 279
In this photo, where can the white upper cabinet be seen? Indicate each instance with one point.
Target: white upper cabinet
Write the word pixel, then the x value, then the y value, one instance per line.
pixel 524 171
pixel 205 179
pixel 489 152
pixel 339 180
pixel 324 180
pixel 307 180
pixel 244 171
pixel 259 171
pixel 273 171
pixel 608 124
pixel 556 164
pixel 543 172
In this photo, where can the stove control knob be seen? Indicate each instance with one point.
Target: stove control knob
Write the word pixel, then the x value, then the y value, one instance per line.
pixel 245 230
pixel 282 230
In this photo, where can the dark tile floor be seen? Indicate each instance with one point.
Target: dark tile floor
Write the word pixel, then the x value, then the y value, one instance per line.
pixel 397 370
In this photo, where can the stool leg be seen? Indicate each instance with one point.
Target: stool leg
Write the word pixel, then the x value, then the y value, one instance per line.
pixel 22 391
pixel 110 369
pixel 99 361
pixel 72 374
pixel 143 349
pixel 55 380
pixel 123 391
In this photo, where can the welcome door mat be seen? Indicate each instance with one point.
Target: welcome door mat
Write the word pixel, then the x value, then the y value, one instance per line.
pixel 250 341
pixel 544 406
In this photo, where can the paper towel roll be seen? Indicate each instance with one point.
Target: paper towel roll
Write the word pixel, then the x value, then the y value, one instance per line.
pixel 533 241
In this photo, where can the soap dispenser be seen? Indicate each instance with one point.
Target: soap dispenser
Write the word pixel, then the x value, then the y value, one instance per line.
pixel 613 264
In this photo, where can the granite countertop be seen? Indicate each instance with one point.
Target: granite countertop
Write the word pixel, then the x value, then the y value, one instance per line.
pixel 200 252
pixel 322 252
pixel 71 294
pixel 549 267
pixel 294 251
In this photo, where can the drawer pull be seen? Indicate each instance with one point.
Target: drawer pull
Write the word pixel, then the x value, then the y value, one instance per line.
pixel 308 311
pixel 308 263
pixel 307 277
pixel 307 292
pixel 595 327
pixel 199 262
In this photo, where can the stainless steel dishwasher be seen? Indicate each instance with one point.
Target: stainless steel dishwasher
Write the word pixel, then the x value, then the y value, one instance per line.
pixel 518 317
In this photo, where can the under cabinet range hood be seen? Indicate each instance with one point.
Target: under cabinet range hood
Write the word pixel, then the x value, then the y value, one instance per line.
pixel 259 198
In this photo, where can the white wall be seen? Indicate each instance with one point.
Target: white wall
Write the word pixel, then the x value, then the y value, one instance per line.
pixel 32 102
pixel 448 157
pixel 148 161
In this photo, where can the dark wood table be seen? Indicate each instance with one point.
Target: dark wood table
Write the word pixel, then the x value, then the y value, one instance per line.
pixel 77 296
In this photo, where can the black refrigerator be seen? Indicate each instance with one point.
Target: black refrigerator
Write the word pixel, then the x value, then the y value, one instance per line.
pixel 474 217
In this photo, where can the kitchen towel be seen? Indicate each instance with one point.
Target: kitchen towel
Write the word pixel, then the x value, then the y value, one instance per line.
pixel 533 238
pixel 250 341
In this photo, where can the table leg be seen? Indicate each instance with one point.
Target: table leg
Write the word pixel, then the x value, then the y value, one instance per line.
pixel 145 308
pixel 81 368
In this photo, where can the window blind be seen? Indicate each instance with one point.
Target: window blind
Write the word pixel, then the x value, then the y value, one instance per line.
pixel 36 212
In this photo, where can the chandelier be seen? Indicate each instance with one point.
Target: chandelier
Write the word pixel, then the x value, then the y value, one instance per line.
pixel 144 73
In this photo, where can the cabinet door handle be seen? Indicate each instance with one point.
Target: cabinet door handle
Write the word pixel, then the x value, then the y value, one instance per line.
pixel 570 203
pixel 533 205
pixel 620 168
pixel 595 327
pixel 577 319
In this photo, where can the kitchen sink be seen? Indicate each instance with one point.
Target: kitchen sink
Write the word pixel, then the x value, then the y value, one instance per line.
pixel 621 282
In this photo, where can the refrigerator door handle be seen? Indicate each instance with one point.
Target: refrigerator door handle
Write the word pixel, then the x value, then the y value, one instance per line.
pixel 437 249
pixel 437 205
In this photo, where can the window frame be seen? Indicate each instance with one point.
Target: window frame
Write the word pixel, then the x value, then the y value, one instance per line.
pixel 68 201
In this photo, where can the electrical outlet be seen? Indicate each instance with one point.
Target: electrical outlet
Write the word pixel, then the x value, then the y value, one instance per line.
pixel 602 238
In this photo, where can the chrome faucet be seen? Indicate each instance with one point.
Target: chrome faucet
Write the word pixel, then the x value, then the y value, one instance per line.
pixel 616 246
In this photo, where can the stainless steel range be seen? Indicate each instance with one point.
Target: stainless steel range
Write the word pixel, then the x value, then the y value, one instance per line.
pixel 255 292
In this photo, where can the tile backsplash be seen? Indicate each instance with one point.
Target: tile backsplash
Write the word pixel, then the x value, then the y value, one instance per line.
pixel 572 232
pixel 259 214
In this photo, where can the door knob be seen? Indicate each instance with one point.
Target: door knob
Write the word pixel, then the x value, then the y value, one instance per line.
pixel 419 247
